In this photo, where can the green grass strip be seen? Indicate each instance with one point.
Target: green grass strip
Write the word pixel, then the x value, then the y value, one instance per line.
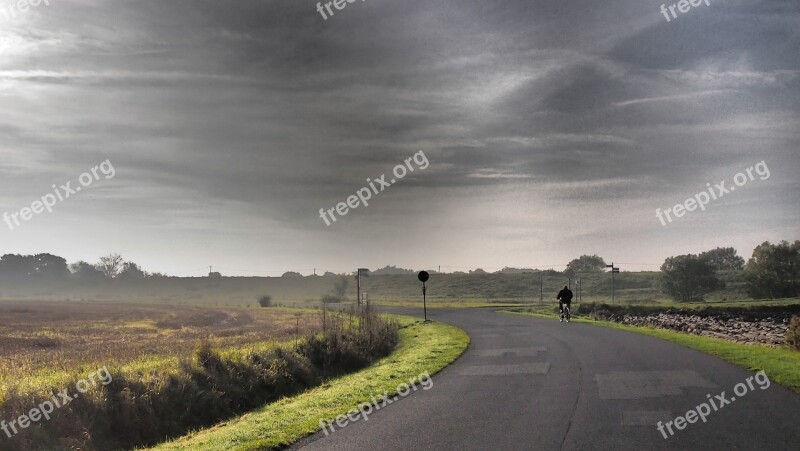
pixel 423 347
pixel 781 365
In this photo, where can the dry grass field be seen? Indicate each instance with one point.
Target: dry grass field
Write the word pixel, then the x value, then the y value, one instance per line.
pixel 167 369
pixel 44 337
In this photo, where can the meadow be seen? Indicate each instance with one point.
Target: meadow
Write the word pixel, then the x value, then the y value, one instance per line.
pixel 41 338
pixel 443 289
pixel 175 367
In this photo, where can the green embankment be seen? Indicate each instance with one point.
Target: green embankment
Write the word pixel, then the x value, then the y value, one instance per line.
pixel 424 347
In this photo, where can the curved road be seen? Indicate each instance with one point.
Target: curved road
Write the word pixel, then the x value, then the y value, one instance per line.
pixel 536 384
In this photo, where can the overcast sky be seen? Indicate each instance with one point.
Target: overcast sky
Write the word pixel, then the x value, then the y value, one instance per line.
pixel 552 128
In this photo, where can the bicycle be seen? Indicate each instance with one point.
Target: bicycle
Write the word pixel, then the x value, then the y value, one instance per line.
pixel 565 312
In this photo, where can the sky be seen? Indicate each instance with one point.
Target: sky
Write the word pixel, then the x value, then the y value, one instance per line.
pixel 551 129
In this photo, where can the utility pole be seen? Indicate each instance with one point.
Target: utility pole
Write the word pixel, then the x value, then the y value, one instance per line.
pixel 358 287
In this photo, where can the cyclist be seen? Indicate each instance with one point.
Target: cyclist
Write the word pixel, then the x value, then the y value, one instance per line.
pixel 564 297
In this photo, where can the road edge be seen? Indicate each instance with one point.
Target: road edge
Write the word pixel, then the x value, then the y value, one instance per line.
pixel 424 347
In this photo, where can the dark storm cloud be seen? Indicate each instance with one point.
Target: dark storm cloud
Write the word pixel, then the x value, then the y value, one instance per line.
pixel 265 106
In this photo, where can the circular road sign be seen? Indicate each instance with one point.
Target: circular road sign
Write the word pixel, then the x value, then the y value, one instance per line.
pixel 423 276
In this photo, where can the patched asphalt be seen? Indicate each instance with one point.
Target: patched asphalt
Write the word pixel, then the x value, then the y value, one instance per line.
pixel 537 384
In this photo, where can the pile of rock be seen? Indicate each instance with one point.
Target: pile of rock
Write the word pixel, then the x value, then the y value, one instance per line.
pixel 741 328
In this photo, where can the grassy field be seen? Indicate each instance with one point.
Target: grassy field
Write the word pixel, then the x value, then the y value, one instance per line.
pixel 443 289
pixel 781 365
pixel 174 368
pixel 44 344
pixel 424 347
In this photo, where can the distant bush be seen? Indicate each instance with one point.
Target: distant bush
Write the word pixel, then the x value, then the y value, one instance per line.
pixel 330 299
pixel 340 288
pixel 793 333
pixel 392 270
pixel 265 301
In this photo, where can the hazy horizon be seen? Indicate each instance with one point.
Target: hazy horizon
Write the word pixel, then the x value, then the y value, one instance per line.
pixel 551 129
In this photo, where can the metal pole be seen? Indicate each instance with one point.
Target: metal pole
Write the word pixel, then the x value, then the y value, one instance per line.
pixel 612 285
pixel 424 301
pixel 358 284
pixel 541 287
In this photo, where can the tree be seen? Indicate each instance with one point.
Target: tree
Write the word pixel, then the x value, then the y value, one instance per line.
pixel 84 270
pixel 340 288
pixel 291 274
pixel 110 265
pixel 131 270
pixel 16 266
pixel 723 258
pixel 688 277
pixel 478 271
pixel 387 270
pixel 584 263
pixel 48 265
pixel 774 270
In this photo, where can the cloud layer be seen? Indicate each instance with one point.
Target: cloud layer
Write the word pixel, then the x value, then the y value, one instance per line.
pixel 552 128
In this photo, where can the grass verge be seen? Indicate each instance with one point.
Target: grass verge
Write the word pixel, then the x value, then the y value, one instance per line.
pixel 423 347
pixel 781 365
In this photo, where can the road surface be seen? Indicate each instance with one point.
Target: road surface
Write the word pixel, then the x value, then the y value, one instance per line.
pixel 537 384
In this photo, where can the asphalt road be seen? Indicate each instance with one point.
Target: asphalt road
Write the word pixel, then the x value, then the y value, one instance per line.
pixel 536 384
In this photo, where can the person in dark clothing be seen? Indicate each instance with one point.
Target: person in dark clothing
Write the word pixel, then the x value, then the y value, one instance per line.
pixel 564 297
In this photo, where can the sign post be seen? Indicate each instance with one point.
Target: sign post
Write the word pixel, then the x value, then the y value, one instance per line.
pixel 358 283
pixel 614 270
pixel 423 277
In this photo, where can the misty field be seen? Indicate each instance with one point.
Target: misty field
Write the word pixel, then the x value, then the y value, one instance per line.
pixel 40 339
pixel 175 368
pixel 444 289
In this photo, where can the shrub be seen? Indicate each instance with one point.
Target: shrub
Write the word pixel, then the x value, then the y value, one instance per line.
pixel 329 299
pixel 265 301
pixel 793 333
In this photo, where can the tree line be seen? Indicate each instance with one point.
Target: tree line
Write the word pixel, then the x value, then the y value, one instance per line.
pixel 112 266
pixel 772 272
